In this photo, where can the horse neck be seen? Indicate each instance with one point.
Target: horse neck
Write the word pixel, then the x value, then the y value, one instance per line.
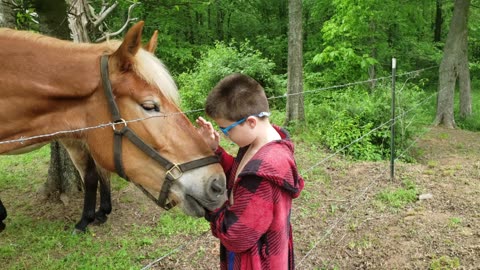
pixel 45 87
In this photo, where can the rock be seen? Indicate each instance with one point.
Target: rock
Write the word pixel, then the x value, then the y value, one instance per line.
pixel 425 196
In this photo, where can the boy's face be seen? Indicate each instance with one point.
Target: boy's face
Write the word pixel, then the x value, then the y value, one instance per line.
pixel 239 132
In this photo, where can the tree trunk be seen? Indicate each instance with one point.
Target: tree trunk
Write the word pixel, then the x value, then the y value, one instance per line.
pixel 78 21
pixel 63 178
pixel 372 72
pixel 438 22
pixel 465 87
pixel 454 66
pixel 220 20
pixel 7 16
pixel 295 108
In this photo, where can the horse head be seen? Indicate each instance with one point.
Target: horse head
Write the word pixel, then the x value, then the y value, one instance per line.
pixel 146 98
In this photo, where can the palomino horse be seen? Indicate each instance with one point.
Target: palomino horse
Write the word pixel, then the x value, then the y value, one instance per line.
pixel 113 105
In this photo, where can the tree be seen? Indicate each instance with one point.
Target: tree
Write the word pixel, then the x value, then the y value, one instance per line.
pixel 77 20
pixel 454 66
pixel 7 17
pixel 438 21
pixel 295 110
pixel 63 178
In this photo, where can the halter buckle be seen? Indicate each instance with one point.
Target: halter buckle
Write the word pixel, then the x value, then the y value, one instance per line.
pixel 172 173
pixel 120 121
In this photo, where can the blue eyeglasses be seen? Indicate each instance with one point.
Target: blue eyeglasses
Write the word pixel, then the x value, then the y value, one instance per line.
pixel 225 130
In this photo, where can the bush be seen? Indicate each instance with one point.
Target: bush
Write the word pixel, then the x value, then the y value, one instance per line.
pixel 222 60
pixel 357 121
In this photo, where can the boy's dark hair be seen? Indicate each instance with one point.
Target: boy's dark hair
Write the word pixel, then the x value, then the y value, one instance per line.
pixel 236 96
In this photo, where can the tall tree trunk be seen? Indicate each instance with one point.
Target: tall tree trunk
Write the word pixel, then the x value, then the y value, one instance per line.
pixel 295 108
pixel 454 66
pixel 77 20
pixel 7 16
pixel 372 72
pixel 220 20
pixel 438 22
pixel 63 178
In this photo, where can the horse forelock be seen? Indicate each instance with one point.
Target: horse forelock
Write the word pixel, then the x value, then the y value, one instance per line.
pixel 152 70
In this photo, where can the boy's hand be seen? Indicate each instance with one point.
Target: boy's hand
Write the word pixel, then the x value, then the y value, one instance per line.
pixel 208 133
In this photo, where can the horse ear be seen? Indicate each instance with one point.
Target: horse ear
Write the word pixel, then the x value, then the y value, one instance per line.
pixel 129 47
pixel 152 44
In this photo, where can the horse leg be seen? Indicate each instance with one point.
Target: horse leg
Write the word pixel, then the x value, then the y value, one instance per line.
pixel 90 196
pixel 91 174
pixel 105 196
pixel 3 216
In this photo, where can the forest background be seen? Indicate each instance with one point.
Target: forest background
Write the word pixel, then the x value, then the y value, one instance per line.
pixel 348 48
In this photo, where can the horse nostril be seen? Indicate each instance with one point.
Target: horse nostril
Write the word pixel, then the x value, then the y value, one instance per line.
pixel 217 188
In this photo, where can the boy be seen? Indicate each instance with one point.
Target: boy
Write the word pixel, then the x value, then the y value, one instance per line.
pixel 254 223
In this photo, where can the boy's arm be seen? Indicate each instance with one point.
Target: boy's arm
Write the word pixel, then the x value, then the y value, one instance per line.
pixel 240 226
pixel 226 160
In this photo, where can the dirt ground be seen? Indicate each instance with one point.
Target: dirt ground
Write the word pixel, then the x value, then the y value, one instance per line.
pixel 338 223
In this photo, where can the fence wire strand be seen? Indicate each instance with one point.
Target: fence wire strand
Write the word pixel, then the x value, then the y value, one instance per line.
pixel 361 194
pixel 111 124
pixel 353 203
pixel 330 230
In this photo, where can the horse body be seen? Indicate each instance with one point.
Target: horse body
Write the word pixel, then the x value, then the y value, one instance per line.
pixel 48 85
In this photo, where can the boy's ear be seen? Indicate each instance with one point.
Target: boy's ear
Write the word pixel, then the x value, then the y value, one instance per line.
pixel 252 121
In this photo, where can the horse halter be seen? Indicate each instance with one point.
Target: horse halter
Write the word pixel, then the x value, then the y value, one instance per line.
pixel 174 171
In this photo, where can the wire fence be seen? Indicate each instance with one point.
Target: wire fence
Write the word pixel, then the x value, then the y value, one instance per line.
pixel 355 201
pixel 352 203
pixel 54 134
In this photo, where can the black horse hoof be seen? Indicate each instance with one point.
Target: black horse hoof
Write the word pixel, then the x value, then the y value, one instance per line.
pixel 100 219
pixel 2 226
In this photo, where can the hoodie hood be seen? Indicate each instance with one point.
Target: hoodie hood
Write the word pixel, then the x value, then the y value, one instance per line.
pixel 275 162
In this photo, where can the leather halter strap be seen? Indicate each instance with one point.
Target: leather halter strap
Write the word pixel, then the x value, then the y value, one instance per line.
pixel 173 171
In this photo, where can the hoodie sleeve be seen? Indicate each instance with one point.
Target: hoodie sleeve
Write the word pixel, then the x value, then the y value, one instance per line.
pixel 226 160
pixel 240 226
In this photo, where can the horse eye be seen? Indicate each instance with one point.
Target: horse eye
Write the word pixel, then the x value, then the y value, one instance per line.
pixel 150 106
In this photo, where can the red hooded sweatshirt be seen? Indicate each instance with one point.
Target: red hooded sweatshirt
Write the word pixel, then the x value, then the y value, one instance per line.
pixel 255 231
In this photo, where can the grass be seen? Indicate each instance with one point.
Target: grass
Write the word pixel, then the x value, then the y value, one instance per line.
pixel 454 222
pixel 15 175
pixel 39 242
pixel 43 244
pixel 444 263
pixel 36 242
pixel 398 198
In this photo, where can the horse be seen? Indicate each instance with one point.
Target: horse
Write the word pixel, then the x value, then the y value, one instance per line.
pixel 114 106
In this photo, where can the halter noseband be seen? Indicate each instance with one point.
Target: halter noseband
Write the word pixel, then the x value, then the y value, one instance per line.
pixel 174 171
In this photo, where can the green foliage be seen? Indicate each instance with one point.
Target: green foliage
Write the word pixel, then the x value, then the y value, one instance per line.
pixel 362 38
pixel 223 60
pixel 357 121
pixel 26 18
